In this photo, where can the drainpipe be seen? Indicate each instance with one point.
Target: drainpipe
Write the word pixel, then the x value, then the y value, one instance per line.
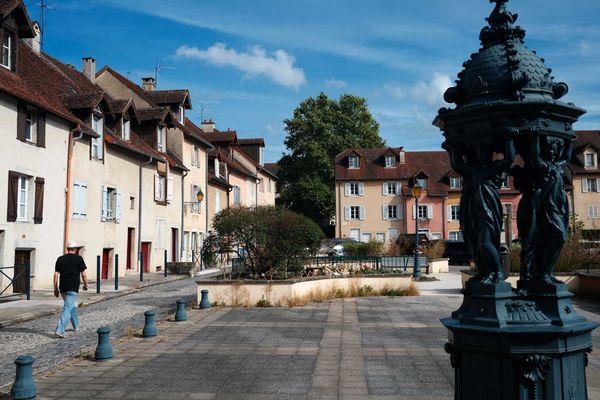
pixel 185 173
pixel 206 196
pixel 71 145
pixel 139 244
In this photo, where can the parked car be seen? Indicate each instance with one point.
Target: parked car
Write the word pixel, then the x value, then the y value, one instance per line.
pixel 337 248
pixel 457 252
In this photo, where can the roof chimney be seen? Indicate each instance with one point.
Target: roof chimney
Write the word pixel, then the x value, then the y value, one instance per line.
pixel 402 156
pixel 148 84
pixel 34 42
pixel 89 68
pixel 208 126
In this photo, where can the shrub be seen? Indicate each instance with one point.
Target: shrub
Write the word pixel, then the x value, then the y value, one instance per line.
pixel 339 293
pixel 263 303
pixel 269 240
pixel 434 249
pixel 359 249
pixel 364 291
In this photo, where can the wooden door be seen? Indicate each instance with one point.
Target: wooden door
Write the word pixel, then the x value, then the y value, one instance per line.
pixel 173 244
pixel 105 260
pixel 146 255
pixel 130 232
pixel 22 258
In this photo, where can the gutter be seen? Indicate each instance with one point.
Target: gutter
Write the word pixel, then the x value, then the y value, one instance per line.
pixel 185 173
pixel 142 165
pixel 71 145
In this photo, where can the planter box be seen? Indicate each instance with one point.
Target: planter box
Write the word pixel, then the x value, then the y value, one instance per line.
pixel 572 281
pixel 290 292
pixel 589 285
pixel 438 266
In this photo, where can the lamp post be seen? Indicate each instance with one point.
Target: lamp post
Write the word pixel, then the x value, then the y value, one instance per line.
pixel 416 192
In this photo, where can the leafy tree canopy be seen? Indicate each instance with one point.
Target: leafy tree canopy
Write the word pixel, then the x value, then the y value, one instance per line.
pixel 320 129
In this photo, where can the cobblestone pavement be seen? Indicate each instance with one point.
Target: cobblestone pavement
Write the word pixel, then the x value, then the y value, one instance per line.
pixel 36 337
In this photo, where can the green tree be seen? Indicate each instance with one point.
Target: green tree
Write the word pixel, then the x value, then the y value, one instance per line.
pixel 270 240
pixel 320 129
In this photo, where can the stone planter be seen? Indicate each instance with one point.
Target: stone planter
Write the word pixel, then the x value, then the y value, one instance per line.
pixel 438 266
pixel 589 285
pixel 571 280
pixel 293 291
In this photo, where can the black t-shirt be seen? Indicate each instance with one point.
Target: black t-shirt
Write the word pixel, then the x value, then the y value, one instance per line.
pixel 69 266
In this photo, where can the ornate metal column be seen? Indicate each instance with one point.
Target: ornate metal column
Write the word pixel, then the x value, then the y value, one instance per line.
pixel 526 343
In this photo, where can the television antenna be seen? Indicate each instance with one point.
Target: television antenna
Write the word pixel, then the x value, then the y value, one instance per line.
pixel 203 108
pixel 159 67
pixel 43 8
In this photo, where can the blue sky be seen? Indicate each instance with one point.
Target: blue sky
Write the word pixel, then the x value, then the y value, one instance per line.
pixel 252 61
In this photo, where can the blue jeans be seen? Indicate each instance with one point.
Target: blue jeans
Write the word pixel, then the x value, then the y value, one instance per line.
pixel 69 312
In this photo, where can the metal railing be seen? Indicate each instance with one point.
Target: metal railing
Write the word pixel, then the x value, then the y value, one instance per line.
pixel 20 271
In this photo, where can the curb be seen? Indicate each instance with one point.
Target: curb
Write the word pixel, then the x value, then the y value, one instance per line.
pixel 16 320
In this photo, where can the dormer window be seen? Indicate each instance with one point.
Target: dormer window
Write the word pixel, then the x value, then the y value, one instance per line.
pixel 390 161
pixel 161 139
pixel 590 160
pixel 126 129
pixel 421 182
pixel 97 143
pixel 504 183
pixel 181 114
pixel 352 161
pixel 7 50
pixel 454 182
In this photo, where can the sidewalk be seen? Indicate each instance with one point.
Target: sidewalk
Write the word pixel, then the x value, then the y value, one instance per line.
pixel 44 303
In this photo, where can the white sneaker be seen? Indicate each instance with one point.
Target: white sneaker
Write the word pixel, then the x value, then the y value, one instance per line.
pixel 59 335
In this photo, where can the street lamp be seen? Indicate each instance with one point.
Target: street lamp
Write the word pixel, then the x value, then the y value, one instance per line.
pixel 416 192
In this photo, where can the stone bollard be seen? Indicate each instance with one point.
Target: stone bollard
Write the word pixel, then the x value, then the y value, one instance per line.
pixel 149 326
pixel 180 315
pixel 104 350
pixel 204 304
pixel 24 386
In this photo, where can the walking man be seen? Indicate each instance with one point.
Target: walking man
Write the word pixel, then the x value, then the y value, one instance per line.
pixel 66 283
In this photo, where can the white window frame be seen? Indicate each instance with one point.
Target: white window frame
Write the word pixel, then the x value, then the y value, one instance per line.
pixel 7 47
pixel 592 211
pixel 391 188
pixel 162 188
pixel 504 183
pixel 396 210
pixel 593 160
pixel 196 156
pixel 454 212
pixel 390 161
pixel 126 129
pixel 181 114
pixel 355 213
pixel 22 198
pixel 98 143
pixel 590 185
pixel 353 162
pixel 217 169
pixel 424 211
pixel 161 139
pixel 455 235
pixel 31 125
pixel 455 183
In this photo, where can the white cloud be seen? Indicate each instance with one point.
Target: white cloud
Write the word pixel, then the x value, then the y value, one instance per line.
pixel 431 92
pixel 278 67
pixel 336 83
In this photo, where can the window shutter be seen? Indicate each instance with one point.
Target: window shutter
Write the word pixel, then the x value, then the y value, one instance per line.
pixel 400 211
pixel 41 129
pixel 75 198
pixel 597 184
pixel 169 189
pixel 13 185
pixel 385 213
pixel 347 189
pixel 38 210
pixel 118 208
pixel 584 187
pixel 449 213
pixel 384 188
pixel 398 187
pixel 429 211
pixel 361 212
pixel 217 202
pixel 104 203
pixel 156 187
pixel 414 207
pixel 361 189
pixel 21 117
pixel 346 212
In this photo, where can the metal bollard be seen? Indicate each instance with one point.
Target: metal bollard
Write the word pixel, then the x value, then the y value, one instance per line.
pixel 141 266
pixel 204 304
pixel 104 349
pixel 180 315
pixel 149 326
pixel 24 386
pixel 116 272
pixel 28 281
pixel 97 274
pixel 165 267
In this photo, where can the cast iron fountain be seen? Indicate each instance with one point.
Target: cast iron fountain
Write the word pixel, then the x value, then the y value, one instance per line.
pixel 527 343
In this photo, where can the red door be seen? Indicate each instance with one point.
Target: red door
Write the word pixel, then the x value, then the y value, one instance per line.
pixel 105 259
pixel 146 255
pixel 129 247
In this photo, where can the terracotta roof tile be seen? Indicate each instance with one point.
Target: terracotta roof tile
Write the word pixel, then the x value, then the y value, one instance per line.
pixel 234 165
pixel 212 178
pixel 272 167
pixel 153 114
pixel 164 97
pixel 252 141
pixel 82 100
pixel 195 133
pixel 6 6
